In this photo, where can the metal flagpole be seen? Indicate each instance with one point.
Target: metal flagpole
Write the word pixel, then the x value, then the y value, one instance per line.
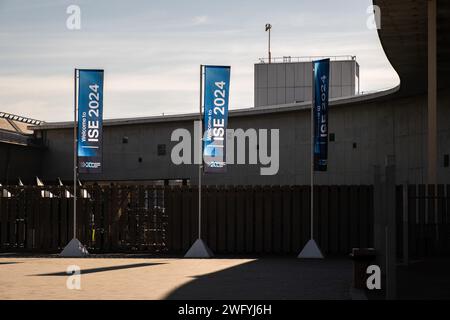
pixel 311 250
pixel 312 162
pixel 74 248
pixel 201 159
pixel 199 249
pixel 75 157
pixel 270 54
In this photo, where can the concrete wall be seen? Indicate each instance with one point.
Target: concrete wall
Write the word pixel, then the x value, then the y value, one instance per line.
pixel 282 83
pixel 365 133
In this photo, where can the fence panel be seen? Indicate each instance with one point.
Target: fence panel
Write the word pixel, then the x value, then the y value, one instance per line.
pixel 334 220
pixel 250 219
pixel 286 219
pixel 296 219
pixel 249 196
pixel 230 221
pixel 277 219
pixel 240 219
pixel 428 224
pixel 211 212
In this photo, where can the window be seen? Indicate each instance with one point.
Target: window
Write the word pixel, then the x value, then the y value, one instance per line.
pixel 161 149
pixel 332 137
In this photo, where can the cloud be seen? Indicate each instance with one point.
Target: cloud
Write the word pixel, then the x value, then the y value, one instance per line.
pixel 199 20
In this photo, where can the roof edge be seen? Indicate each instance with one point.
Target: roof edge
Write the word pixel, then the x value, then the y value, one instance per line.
pixel 306 105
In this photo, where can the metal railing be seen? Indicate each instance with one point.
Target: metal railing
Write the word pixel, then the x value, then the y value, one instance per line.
pixel 14 117
pixel 290 59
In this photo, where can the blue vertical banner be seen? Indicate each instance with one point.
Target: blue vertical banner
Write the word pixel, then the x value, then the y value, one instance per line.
pixel 320 115
pixel 215 118
pixel 90 121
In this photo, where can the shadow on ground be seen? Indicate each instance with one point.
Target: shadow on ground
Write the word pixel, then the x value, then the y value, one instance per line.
pixel 103 269
pixel 270 278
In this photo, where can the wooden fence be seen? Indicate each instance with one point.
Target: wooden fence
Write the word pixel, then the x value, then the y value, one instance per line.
pixel 109 218
pixel 271 220
pixel 236 220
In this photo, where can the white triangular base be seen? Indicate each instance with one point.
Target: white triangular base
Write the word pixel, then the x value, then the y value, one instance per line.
pixel 311 251
pixel 199 250
pixel 74 249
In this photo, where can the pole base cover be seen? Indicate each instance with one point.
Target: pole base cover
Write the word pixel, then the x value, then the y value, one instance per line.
pixel 311 251
pixel 74 249
pixel 199 250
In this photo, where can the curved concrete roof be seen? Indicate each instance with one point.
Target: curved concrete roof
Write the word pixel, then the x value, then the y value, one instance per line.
pixel 404 36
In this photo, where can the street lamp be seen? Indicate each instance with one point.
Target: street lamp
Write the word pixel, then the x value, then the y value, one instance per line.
pixel 268 28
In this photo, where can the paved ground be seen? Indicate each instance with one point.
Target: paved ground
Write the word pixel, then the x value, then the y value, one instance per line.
pixel 425 279
pixel 172 278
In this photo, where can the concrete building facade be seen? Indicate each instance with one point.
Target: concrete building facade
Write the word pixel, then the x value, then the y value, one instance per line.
pixel 364 130
pixel 290 81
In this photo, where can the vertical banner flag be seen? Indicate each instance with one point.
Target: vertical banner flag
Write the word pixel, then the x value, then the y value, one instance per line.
pixel 215 118
pixel 90 121
pixel 320 116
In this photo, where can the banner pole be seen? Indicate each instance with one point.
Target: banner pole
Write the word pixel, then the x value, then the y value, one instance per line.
pixel 199 249
pixel 312 161
pixel 311 249
pixel 74 248
pixel 201 159
pixel 75 157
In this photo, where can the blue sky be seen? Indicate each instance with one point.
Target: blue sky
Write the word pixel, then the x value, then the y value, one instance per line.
pixel 151 50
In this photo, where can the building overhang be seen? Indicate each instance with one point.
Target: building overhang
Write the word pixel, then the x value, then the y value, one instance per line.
pixel 404 35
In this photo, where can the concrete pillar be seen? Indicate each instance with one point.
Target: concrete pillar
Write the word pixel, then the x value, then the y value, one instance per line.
pixel 432 94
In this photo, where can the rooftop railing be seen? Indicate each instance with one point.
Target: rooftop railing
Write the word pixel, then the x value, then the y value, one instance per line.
pixel 20 118
pixel 289 59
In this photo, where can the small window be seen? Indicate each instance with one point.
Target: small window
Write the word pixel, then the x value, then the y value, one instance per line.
pixel 354 145
pixel 125 139
pixel 446 160
pixel 332 137
pixel 140 160
pixel 161 149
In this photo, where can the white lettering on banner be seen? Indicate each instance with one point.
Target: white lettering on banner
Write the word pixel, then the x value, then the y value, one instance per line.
pixel 323 118
pixel 90 165
pixel 83 127
pixel 218 130
pixel 94 112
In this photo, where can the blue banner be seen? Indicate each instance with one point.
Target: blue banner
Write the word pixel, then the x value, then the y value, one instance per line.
pixel 90 121
pixel 215 118
pixel 320 116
